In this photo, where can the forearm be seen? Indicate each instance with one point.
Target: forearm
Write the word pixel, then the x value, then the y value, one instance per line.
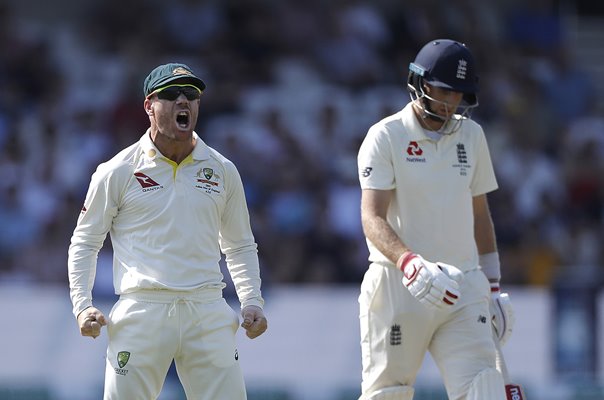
pixel 485 236
pixel 486 242
pixel 81 266
pixel 81 272
pixel 381 234
pixel 484 230
pixel 244 269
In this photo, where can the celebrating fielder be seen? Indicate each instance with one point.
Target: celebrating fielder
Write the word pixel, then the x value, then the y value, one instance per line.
pixel 434 272
pixel 172 205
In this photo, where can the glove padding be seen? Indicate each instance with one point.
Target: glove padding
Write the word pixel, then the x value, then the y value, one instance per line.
pixel 435 285
pixel 502 314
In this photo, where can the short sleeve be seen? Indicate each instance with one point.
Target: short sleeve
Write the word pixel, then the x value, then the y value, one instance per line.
pixel 375 166
pixel 484 180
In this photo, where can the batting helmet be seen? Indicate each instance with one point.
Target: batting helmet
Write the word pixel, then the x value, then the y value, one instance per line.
pixel 446 64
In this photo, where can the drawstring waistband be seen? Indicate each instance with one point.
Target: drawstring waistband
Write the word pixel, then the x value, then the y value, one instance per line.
pixel 172 297
pixel 187 302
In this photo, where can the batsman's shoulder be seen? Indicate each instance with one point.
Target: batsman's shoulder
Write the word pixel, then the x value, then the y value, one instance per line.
pixel 393 120
pixel 390 125
pixel 472 127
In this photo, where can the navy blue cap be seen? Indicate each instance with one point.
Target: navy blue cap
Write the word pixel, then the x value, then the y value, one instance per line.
pixel 170 73
pixel 448 64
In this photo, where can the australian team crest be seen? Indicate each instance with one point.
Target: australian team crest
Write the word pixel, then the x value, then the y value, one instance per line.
pixel 122 358
pixel 208 173
pixel 208 180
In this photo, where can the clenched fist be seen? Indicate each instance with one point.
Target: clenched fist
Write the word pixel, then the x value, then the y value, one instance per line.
pixel 254 321
pixel 90 322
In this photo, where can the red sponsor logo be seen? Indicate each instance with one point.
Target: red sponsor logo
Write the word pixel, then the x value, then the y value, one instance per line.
pixel 144 180
pixel 413 149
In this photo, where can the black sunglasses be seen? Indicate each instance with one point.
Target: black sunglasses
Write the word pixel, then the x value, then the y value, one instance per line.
pixel 171 93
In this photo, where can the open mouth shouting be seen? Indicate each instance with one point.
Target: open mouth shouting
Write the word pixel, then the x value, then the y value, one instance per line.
pixel 183 120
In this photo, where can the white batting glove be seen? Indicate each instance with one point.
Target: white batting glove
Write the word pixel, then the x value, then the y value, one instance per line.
pixel 435 285
pixel 502 314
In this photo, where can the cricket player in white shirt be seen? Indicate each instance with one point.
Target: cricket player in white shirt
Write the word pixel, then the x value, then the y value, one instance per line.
pixel 172 206
pixel 433 281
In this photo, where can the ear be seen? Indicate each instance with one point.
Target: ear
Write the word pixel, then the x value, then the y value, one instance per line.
pixel 148 105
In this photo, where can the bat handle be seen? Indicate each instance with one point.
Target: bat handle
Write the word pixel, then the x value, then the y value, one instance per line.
pixel 512 391
pixel 500 361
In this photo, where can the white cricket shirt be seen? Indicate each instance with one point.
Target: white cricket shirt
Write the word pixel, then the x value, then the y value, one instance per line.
pixel 168 224
pixel 433 183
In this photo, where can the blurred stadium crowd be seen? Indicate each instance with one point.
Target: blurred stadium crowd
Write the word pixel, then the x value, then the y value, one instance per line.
pixel 292 89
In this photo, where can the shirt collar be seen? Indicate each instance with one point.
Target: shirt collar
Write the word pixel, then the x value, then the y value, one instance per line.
pixel 414 129
pixel 200 152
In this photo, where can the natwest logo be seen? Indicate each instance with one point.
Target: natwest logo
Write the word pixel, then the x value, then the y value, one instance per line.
pixel 145 181
pixel 413 149
pixel 414 152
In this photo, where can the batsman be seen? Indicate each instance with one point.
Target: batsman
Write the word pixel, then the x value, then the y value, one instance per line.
pixel 433 279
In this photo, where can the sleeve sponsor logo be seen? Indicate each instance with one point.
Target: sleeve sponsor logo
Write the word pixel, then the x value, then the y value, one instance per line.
pixel 365 172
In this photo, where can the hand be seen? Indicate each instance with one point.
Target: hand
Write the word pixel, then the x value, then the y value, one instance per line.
pixel 90 322
pixel 435 285
pixel 254 321
pixel 502 314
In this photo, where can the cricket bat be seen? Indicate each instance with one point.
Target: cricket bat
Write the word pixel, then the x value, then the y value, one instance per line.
pixel 512 390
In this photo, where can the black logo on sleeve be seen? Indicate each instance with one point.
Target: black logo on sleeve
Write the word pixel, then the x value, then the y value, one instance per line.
pixel 366 172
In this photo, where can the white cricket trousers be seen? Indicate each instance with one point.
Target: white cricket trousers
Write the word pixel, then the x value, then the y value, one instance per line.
pixel 397 330
pixel 150 328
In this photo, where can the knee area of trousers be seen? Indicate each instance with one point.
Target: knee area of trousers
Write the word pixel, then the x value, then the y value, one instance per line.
pixel 391 393
pixel 488 384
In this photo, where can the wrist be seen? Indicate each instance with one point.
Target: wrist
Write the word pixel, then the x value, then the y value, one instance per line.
pixel 80 313
pixel 402 261
pixel 495 289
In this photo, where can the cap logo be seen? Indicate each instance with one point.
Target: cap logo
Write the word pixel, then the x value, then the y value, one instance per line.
pixel 462 68
pixel 181 71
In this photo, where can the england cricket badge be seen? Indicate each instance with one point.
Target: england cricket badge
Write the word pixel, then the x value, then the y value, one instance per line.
pixel 122 358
